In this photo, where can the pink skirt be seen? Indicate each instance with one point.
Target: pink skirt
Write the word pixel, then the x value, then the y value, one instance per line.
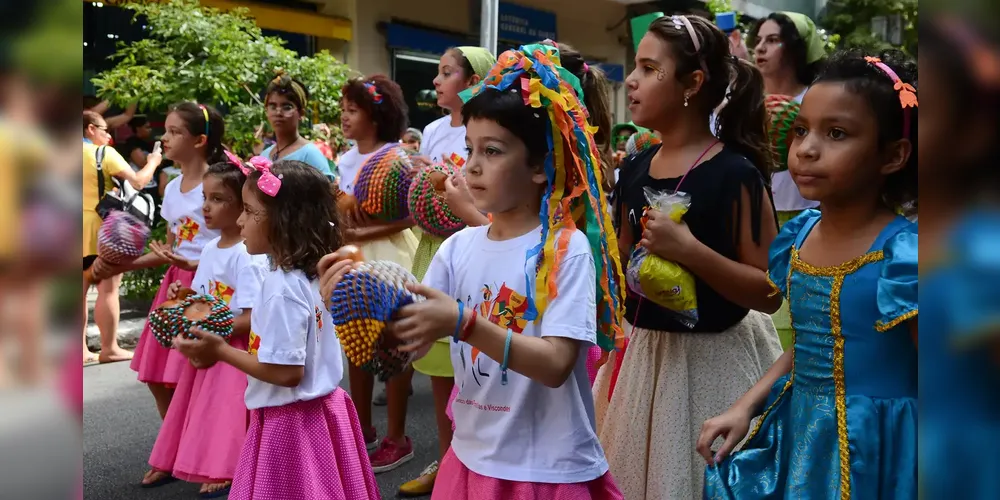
pixel 593 357
pixel 203 433
pixel 456 482
pixel 305 451
pixel 154 363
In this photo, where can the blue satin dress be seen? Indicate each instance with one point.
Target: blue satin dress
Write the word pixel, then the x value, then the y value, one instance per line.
pixel 843 422
pixel 960 379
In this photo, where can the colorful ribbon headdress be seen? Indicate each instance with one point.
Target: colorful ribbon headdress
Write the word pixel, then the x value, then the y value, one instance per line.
pixel 574 190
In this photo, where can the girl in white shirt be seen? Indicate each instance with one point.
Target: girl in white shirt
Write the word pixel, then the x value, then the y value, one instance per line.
pixel 530 297
pixel 193 140
pixel 205 427
pixel 304 440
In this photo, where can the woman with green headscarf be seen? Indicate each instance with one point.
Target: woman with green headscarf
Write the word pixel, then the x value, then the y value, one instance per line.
pixel 788 52
pixel 443 140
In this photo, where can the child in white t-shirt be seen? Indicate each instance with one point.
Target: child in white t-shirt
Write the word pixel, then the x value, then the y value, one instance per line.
pixel 534 291
pixel 304 440
pixel 205 426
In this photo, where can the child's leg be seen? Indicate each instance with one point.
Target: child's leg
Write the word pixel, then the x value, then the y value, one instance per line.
pixel 442 387
pixel 398 392
pixel 362 383
pixel 162 394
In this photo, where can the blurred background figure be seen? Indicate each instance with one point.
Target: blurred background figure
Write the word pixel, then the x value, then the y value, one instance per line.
pixel 411 140
pixel 960 258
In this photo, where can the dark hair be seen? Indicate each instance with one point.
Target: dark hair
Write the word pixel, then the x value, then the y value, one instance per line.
pixel 508 110
pixel 795 52
pixel 89 101
pixel 390 115
pixel 91 118
pixel 299 216
pixel 230 175
pixel 864 79
pixel 137 122
pixel 742 123
pixel 194 117
pixel 467 70
pixel 596 92
pixel 284 86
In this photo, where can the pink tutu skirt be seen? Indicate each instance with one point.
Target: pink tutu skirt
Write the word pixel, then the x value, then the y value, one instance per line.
pixel 203 433
pixel 154 363
pixel 456 482
pixel 305 451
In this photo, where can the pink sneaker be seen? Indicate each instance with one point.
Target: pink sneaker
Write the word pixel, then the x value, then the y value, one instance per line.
pixel 389 455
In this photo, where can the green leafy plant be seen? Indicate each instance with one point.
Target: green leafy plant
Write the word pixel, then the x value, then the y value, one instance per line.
pixel 850 22
pixel 221 58
pixel 142 285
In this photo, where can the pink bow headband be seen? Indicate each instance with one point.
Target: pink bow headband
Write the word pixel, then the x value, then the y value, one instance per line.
pixel 268 183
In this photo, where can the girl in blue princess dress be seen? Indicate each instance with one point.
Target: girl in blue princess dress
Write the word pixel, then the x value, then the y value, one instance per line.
pixel 838 413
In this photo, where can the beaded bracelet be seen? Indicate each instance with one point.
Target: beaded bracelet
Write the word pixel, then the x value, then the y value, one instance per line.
pixel 458 325
pixel 506 354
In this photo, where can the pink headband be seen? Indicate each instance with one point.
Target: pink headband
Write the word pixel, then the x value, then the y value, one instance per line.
pixel 268 183
pixel 907 94
pixel 682 23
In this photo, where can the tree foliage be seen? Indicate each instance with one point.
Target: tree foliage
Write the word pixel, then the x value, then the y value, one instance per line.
pixel 851 20
pixel 202 54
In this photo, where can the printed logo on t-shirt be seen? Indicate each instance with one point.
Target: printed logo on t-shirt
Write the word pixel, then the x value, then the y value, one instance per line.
pixel 187 229
pixel 254 343
pixel 220 291
pixel 504 308
pixel 319 322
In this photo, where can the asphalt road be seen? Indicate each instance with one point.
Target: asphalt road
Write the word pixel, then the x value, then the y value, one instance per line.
pixel 121 423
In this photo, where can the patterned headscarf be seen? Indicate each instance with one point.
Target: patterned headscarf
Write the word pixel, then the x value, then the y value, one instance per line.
pixel 285 85
pixel 573 192
pixel 479 58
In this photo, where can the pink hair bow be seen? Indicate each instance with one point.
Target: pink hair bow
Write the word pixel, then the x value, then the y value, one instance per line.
pixel 268 183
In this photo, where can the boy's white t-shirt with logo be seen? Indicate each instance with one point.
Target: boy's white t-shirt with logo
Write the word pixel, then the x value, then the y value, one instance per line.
pixel 230 274
pixel 441 140
pixel 291 326
pixel 522 431
pixel 182 211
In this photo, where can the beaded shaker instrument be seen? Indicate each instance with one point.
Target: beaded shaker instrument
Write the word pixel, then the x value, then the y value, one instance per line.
pixel 383 183
pixel 426 200
pixel 121 238
pixel 188 310
pixel 782 110
pixel 361 305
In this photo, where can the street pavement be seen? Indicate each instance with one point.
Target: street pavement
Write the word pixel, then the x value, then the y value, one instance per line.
pixel 121 423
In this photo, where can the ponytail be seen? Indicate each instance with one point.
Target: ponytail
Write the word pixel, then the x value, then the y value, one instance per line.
pixel 596 91
pixel 742 122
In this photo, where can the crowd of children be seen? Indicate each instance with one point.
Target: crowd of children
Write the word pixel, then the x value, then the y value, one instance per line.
pixel 551 378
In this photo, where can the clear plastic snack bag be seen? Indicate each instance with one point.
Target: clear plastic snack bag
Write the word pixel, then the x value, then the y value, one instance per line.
pixel 665 283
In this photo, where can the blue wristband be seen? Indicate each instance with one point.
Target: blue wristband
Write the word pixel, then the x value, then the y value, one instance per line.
pixel 458 326
pixel 506 354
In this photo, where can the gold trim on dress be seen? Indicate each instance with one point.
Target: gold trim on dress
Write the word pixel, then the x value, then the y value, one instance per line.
pixel 889 325
pixel 763 416
pixel 839 273
pixel 774 287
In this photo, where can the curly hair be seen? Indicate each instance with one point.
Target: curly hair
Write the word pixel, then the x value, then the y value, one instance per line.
pixel 877 89
pixel 795 47
pixel 389 115
pixel 302 220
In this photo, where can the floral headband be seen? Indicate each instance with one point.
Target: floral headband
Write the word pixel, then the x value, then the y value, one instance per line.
pixel 373 91
pixel 268 183
pixel 907 94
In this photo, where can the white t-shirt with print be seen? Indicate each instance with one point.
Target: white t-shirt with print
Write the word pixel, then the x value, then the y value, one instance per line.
pixel 230 274
pixel 522 431
pixel 291 326
pixel 441 140
pixel 182 211
pixel 348 167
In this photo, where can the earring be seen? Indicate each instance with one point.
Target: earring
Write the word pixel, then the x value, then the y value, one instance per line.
pixel 687 97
